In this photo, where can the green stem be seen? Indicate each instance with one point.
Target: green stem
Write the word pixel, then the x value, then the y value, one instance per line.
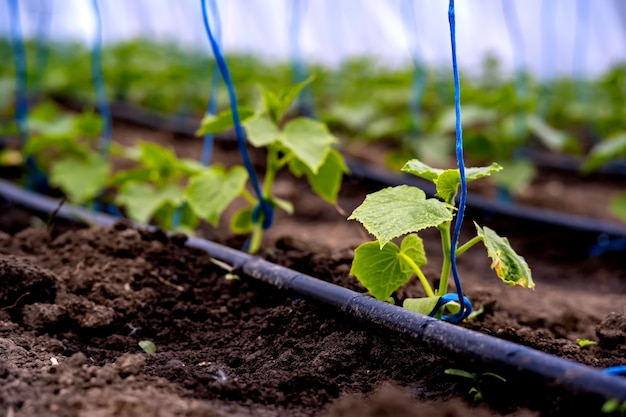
pixel 255 239
pixel 272 169
pixel 249 198
pixel 444 230
pixel 468 245
pixel 420 275
pixel 285 159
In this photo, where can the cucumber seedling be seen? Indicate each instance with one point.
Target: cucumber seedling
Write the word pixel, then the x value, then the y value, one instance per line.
pixel 302 145
pixel 383 266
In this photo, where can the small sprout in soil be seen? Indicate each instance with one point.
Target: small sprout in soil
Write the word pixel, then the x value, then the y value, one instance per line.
pixel 229 275
pixel 585 342
pixel 147 346
pixel 302 145
pixel 613 406
pixel 382 266
pixel 476 378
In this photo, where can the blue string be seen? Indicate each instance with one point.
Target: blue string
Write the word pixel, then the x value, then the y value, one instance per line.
pixel 418 85
pixel 207 149
pixel 465 308
pixel 19 53
pixel 447 298
pixel 305 99
pixel 264 206
pixel 615 370
pixel 98 81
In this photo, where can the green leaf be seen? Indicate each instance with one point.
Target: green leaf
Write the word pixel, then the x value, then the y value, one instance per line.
pixel 617 206
pixel 516 175
pixel 552 138
pixel 422 305
pixel 380 269
pixel 142 201
pixel 147 346
pixel 277 104
pixel 604 152
pixel 241 222
pixel 395 211
pixel 461 373
pixel 309 140
pixel 260 131
pixel 449 180
pixel 509 266
pixel 217 123
pixel 210 193
pixel 285 205
pixel 80 179
pixel 413 247
pixel 420 169
pixel 585 342
pixel 88 124
pixel 327 182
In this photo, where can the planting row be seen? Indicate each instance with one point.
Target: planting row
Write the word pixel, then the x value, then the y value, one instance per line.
pixel 363 100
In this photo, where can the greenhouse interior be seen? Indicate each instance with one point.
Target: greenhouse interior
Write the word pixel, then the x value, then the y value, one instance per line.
pixel 335 208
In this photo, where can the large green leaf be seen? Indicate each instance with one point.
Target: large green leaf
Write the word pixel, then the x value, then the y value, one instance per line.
pixel 80 179
pixel 261 131
pixel 509 266
pixel 142 201
pixel 217 123
pixel 396 211
pixel 382 270
pixel 327 182
pixel 210 193
pixel 309 140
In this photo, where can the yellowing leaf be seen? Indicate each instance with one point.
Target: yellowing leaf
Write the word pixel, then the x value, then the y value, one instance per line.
pixel 509 266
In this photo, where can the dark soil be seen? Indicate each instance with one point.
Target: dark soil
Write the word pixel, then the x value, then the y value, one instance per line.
pixel 74 304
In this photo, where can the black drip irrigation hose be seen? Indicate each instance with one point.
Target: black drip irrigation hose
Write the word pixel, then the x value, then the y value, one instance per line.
pixel 187 127
pixel 439 336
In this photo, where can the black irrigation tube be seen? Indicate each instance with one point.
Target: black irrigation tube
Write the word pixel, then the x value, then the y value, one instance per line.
pixel 437 335
pixel 187 127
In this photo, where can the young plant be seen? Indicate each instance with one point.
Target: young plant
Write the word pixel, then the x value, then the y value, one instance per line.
pixel 302 145
pixel 382 266
pixel 175 192
pixel 477 380
pixel 65 147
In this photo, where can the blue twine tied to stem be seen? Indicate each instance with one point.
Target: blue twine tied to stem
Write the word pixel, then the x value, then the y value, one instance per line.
pixel 208 139
pixel 98 82
pixel 264 206
pixel 465 307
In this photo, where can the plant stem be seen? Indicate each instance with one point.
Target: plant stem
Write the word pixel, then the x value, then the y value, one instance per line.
pixel 468 245
pixel 255 239
pixel 249 197
pixel 420 275
pixel 444 230
pixel 268 181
